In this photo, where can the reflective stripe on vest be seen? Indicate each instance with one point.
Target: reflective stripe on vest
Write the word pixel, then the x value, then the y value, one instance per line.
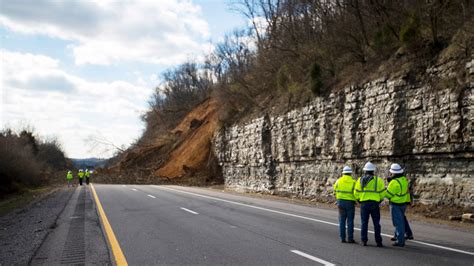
pixel 401 189
pixel 372 190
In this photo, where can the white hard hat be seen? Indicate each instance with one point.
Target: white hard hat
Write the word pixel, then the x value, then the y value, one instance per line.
pixel 369 167
pixel 80 170
pixel 346 170
pixel 396 169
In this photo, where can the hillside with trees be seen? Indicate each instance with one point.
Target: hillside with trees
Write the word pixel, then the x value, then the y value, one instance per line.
pixel 27 161
pixel 292 52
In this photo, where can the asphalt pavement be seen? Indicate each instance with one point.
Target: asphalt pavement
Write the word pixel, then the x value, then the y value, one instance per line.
pixel 172 225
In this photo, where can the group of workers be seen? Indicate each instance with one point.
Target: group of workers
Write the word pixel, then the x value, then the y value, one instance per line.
pixel 81 175
pixel 369 190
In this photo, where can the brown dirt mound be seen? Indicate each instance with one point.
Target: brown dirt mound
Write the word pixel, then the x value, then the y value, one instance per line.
pixel 191 154
pixel 183 154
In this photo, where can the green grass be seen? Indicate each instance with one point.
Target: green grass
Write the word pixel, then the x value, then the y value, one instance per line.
pixel 17 201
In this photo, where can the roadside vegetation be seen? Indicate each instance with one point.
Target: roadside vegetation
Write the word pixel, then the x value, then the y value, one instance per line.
pixel 28 162
pixel 295 50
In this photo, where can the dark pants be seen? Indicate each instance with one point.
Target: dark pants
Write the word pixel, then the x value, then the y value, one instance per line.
pixel 370 209
pixel 398 220
pixel 408 231
pixel 346 213
pixel 87 180
pixel 80 181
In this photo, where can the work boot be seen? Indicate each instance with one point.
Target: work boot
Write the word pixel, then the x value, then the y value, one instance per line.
pixel 364 243
pixel 409 237
pixel 379 245
pixel 352 241
pixel 394 238
pixel 343 241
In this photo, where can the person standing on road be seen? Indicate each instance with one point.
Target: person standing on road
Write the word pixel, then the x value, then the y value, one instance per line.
pixel 69 178
pixel 408 231
pixel 344 190
pixel 87 174
pixel 81 176
pixel 398 194
pixel 369 191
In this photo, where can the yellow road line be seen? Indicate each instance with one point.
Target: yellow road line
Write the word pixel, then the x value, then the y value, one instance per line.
pixel 120 259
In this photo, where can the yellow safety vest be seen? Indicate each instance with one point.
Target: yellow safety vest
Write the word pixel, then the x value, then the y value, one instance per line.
pixel 344 188
pixel 69 176
pixel 81 175
pixel 374 190
pixel 397 190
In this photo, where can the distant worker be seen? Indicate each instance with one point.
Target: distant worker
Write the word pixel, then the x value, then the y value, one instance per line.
pixel 69 178
pixel 87 174
pixel 81 176
pixel 344 190
pixel 369 191
pixel 398 194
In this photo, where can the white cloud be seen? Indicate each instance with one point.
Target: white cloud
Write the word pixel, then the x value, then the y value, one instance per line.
pixel 106 32
pixel 32 93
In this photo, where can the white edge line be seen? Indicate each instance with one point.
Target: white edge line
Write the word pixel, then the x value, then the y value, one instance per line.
pixel 184 209
pixel 151 196
pixel 134 189
pixel 327 263
pixel 310 219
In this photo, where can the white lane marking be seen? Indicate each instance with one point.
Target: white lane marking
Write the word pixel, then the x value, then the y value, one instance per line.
pixel 134 189
pixel 124 186
pixel 313 258
pixel 151 196
pixel 184 209
pixel 308 218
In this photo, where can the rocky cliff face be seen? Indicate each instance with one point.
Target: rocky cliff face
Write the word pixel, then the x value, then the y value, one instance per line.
pixel 424 123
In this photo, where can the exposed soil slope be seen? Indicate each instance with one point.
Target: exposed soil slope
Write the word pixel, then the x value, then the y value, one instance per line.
pixel 182 152
pixel 192 153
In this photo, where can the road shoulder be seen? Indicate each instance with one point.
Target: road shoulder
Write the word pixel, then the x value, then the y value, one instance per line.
pixel 22 231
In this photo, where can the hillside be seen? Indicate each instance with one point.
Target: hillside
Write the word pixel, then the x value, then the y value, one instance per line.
pixel 88 163
pixel 181 153
pixel 323 86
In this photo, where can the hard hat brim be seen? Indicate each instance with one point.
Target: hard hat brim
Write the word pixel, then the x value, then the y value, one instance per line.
pixel 396 171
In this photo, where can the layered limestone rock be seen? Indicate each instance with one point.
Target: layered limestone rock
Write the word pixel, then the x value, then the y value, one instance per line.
pixel 426 125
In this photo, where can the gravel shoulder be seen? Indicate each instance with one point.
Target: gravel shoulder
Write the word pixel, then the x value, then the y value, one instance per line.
pixel 23 231
pixel 60 227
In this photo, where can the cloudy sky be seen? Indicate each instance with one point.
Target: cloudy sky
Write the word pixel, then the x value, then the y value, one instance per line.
pixel 85 69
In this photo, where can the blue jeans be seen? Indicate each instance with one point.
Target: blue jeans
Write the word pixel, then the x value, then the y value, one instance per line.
pixel 370 209
pixel 398 220
pixel 346 213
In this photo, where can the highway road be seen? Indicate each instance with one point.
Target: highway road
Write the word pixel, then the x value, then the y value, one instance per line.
pixel 172 225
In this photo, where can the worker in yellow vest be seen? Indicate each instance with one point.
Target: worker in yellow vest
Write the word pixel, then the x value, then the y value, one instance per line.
pixel 81 176
pixel 69 178
pixel 398 194
pixel 344 191
pixel 87 175
pixel 369 191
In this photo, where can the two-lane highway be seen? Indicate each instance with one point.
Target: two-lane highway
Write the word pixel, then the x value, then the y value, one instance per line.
pixel 181 225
